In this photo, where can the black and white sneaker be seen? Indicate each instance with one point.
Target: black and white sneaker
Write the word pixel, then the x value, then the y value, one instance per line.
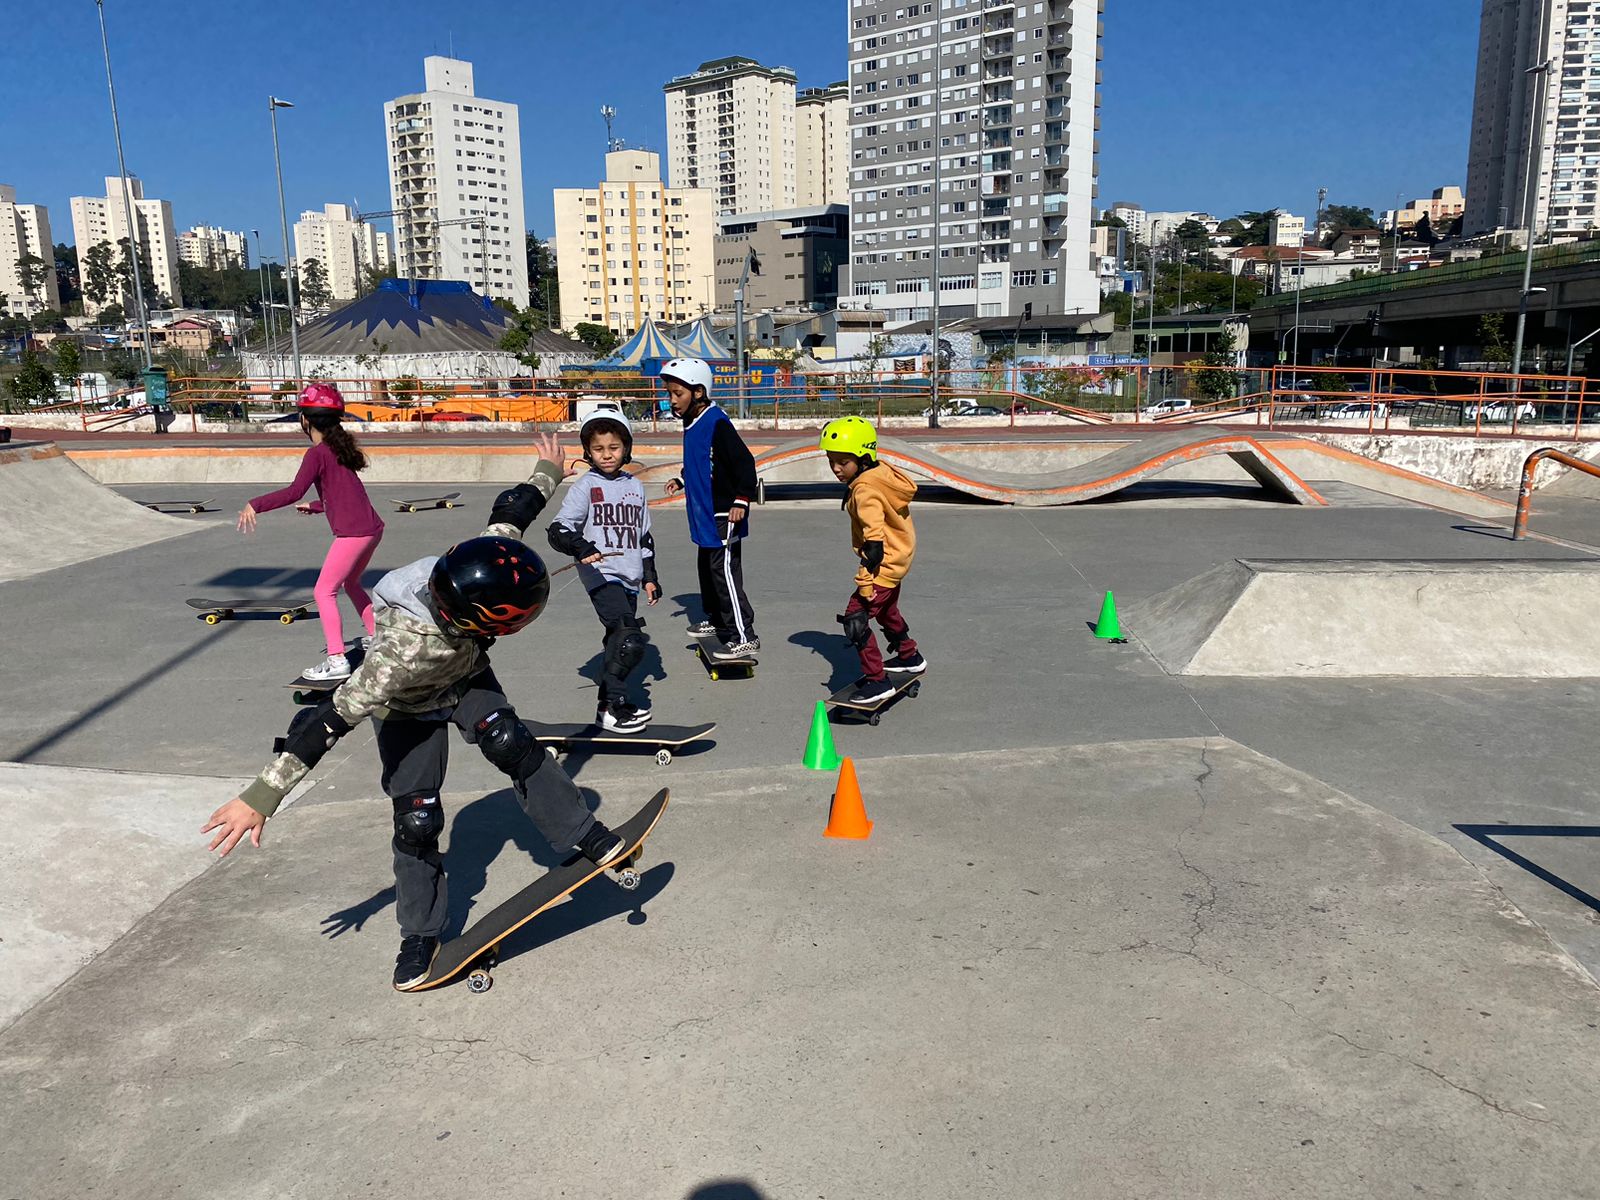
pixel 600 846
pixel 871 691
pixel 915 664
pixel 416 956
pixel 732 650
pixel 702 629
pixel 621 718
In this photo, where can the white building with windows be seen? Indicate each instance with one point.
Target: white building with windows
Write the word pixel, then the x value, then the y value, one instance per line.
pixel 822 146
pixel 979 116
pixel 348 249
pixel 455 179
pixel 97 219
pixel 25 230
pixel 731 131
pixel 213 248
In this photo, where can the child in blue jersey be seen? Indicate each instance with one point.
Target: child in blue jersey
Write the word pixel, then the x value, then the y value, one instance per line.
pixel 604 523
pixel 719 480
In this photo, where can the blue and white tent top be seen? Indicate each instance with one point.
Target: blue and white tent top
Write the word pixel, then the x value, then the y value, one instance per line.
pixel 701 342
pixel 649 344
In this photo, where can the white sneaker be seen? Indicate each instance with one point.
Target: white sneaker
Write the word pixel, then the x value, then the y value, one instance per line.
pixel 335 666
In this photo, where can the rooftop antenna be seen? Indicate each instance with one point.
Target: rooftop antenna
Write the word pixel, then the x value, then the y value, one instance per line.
pixel 610 114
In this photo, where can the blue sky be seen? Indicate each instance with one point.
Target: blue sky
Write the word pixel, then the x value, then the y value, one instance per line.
pixel 1252 111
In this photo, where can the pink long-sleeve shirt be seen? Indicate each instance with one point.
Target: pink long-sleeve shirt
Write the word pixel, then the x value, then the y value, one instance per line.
pixel 343 499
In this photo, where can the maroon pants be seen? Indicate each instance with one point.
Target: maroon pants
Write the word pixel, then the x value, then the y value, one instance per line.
pixel 884 608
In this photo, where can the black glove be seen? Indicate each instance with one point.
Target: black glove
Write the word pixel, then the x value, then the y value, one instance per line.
pixel 518 506
pixel 570 542
pixel 871 555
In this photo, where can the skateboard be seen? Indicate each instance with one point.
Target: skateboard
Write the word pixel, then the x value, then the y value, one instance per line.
pixel 189 506
pixel 311 691
pixel 478 947
pixel 664 738
pixel 908 686
pixel 213 611
pixel 446 501
pixel 734 668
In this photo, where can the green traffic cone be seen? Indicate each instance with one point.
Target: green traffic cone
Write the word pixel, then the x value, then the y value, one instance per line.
pixel 1108 626
pixel 820 754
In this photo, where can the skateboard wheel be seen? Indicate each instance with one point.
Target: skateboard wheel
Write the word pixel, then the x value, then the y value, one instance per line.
pixel 716 675
pixel 479 982
pixel 287 618
pixel 212 618
pixel 628 879
pixel 915 688
pixel 874 718
pixel 663 757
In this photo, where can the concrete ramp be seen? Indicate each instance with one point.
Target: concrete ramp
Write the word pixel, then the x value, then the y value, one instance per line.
pixel 1121 468
pixel 52 514
pixel 1522 620
pixel 1568 482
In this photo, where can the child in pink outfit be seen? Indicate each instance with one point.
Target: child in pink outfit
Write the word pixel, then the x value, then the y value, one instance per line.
pixel 331 464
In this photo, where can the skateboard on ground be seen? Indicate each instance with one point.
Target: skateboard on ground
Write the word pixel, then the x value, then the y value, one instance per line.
pixel 478 948
pixel 743 667
pixel 904 685
pixel 663 738
pixel 311 691
pixel 213 611
pixel 446 501
pixel 189 506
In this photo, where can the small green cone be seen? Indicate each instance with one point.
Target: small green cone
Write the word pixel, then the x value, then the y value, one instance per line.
pixel 820 754
pixel 1108 627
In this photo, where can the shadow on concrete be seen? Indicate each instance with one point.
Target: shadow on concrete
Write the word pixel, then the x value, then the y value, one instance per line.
pixel 726 1189
pixel 297 580
pixel 1485 836
pixel 1495 531
pixel 594 902
pixel 835 650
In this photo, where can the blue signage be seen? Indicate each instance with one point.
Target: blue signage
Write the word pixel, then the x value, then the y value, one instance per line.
pixel 1117 360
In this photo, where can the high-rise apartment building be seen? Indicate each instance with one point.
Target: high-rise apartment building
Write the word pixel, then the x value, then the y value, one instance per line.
pixel 25 232
pixel 213 248
pixel 979 116
pixel 731 131
pixel 455 177
pixel 633 247
pixel 1515 36
pixel 347 248
pixel 103 219
pixel 822 146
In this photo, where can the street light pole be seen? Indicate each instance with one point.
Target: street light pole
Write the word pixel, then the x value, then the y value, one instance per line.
pixel 1531 207
pixel 266 305
pixel 273 105
pixel 127 199
pixel 938 183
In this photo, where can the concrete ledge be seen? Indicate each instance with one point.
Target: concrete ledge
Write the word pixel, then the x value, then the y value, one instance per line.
pixel 1517 619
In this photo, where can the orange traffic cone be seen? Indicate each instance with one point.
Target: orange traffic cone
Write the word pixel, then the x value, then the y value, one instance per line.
pixel 847 818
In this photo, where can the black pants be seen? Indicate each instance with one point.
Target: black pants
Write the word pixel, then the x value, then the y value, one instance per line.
pixel 722 588
pixel 616 607
pixel 414 754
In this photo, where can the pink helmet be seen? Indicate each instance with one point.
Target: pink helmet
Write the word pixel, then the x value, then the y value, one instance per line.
pixel 321 395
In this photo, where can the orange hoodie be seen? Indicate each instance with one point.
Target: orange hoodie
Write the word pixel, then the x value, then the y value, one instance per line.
pixel 879 504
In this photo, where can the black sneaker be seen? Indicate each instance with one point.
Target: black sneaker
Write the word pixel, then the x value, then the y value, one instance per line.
pixel 701 629
pixel 732 650
pixel 621 718
pixel 870 691
pixel 416 956
pixel 600 846
pixel 914 665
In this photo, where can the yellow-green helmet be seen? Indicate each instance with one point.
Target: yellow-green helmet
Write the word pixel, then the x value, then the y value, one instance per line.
pixel 851 435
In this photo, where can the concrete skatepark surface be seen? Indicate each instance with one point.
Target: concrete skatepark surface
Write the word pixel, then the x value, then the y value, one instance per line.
pixel 1218 935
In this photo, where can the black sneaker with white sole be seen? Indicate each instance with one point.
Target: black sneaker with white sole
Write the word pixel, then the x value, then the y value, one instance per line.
pixel 600 846
pixel 912 664
pixel 732 650
pixel 416 956
pixel 701 629
pixel 870 691
pixel 621 718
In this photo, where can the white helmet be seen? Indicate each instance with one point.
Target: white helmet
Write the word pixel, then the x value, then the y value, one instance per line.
pixel 691 372
pixel 608 412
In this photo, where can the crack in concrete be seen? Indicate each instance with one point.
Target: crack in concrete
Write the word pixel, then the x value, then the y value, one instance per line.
pixel 1209 901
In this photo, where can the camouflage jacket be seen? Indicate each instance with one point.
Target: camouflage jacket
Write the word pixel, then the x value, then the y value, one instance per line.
pixel 414 666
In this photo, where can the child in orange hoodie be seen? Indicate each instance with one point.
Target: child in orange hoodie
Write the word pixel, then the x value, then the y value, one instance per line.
pixel 879 504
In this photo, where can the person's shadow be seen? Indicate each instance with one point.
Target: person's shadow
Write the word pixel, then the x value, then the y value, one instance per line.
pixel 652 668
pixel 835 649
pixel 726 1189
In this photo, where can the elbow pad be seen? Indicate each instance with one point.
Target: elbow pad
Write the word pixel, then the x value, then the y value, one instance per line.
pixel 313 732
pixel 871 554
pixel 518 506
pixel 570 542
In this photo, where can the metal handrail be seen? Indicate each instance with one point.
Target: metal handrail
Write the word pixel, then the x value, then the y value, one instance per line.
pixel 1530 468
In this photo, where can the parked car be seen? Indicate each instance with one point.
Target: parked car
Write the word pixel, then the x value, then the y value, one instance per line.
pixel 1172 404
pixel 1356 410
pixel 964 408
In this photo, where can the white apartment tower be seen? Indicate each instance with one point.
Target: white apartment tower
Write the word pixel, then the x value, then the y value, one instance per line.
pixel 634 248
pixel 731 130
pixel 1514 36
pixel 213 248
pixel 97 219
pixel 348 249
pixel 455 178
pixel 822 146
pixel 998 101
pixel 24 231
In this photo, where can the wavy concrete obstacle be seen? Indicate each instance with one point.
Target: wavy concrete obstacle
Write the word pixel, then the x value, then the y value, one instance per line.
pixel 52 514
pixel 1111 472
pixel 1529 619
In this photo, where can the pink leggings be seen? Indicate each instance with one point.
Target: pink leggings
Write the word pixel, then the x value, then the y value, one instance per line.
pixel 347 559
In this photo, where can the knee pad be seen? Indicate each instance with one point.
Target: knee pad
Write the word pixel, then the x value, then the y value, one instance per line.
pixel 506 742
pixel 627 646
pixel 418 822
pixel 856 628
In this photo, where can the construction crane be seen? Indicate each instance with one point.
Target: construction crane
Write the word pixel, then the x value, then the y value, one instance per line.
pixel 411 218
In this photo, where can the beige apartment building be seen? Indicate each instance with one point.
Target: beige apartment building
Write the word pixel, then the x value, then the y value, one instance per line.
pixel 24 230
pixel 97 219
pixel 1446 204
pixel 731 131
pixel 633 248
pixel 822 146
pixel 213 248
pixel 348 249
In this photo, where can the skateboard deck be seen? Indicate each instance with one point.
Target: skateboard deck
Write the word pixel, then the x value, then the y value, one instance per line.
pixel 311 691
pixel 733 668
pixel 213 611
pixel 181 506
pixel 909 685
pixel 664 738
pixel 478 947
pixel 446 501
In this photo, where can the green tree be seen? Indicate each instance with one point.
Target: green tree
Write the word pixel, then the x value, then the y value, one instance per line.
pixel 48 318
pixel 542 283
pixel 313 287
pixel 1347 216
pixel 1232 228
pixel 122 364
pixel 1062 385
pixel 1255 227
pixel 124 274
pixel 598 338
pixel 99 274
pixel 69 361
pixel 518 338
pixel 112 314
pixel 1216 378
pixel 34 383
pixel 1112 221
pixel 1492 338
pixel 1193 241
pixel 66 265
pixel 32 271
